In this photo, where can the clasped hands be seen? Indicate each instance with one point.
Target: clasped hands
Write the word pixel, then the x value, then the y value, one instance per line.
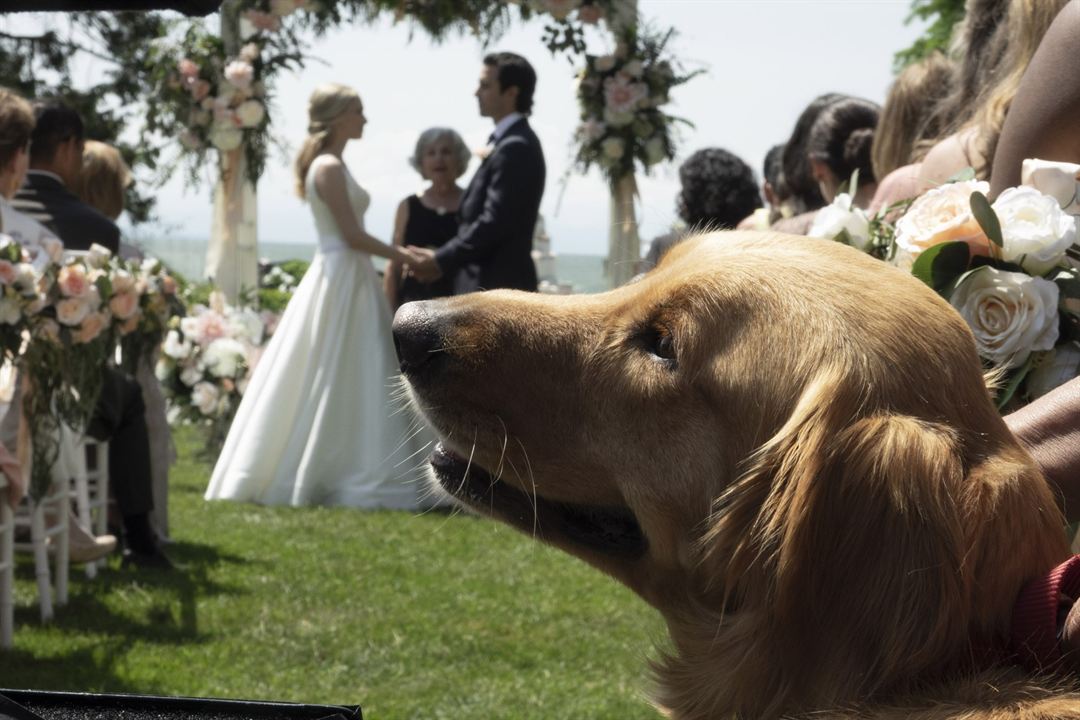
pixel 421 264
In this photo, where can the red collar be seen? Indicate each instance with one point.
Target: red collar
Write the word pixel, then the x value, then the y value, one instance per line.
pixel 1039 613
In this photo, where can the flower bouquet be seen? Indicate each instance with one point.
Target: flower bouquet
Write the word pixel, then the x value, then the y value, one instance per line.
pixel 1007 266
pixel 205 363
pixel 620 96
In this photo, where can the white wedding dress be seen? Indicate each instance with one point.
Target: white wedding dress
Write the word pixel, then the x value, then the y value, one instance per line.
pixel 321 422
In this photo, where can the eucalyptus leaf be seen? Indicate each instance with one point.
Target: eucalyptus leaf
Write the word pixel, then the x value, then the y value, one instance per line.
pixel 987 218
pixel 964 175
pixel 940 265
pixel 1014 382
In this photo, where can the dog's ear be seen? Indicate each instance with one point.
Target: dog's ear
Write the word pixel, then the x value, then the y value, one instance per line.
pixel 845 534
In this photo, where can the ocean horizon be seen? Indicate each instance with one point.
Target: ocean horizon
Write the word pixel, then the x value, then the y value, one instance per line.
pixel 187 256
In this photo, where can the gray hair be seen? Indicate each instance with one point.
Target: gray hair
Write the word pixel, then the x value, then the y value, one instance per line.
pixel 431 136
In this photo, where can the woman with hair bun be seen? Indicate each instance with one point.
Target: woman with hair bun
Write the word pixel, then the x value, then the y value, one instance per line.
pixel 840 143
pixel 318 424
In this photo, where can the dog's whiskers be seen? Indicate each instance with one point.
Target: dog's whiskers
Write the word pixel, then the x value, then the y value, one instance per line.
pixel 532 483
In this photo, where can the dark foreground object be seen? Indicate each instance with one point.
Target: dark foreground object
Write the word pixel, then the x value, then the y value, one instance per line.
pixel 188 7
pixel 44 705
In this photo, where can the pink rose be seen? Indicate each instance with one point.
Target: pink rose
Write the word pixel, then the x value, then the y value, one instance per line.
pixel 199 89
pixel 187 68
pixel 240 74
pixel 623 96
pixel 73 281
pixel 124 305
pixel 7 272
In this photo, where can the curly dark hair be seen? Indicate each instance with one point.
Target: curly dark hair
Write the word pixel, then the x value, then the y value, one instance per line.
pixel 718 189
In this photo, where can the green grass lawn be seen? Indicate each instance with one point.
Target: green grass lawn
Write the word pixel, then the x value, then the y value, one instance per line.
pixel 408 616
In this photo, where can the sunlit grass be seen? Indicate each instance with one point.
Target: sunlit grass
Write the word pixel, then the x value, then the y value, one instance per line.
pixel 409 616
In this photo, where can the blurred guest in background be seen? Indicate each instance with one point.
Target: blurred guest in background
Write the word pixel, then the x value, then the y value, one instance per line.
pixel 429 218
pixel 718 190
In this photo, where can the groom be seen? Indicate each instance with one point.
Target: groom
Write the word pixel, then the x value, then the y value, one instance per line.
pixel 493 246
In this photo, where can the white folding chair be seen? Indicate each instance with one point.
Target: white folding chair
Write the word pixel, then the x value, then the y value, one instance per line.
pixel 47 521
pixel 7 568
pixel 91 485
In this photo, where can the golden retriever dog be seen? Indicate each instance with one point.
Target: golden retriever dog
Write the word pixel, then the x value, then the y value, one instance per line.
pixel 783 445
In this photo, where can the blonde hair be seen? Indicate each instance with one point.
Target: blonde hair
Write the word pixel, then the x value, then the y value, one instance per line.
pixel 16 125
pixel 907 116
pixel 327 104
pixel 103 179
pixel 1027 22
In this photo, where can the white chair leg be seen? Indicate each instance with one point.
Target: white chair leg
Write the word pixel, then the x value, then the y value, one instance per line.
pixel 63 548
pixel 7 575
pixel 41 560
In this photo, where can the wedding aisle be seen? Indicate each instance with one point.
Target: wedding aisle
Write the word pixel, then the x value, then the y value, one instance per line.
pixel 430 616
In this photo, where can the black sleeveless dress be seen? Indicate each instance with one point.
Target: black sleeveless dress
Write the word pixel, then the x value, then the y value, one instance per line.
pixel 427 228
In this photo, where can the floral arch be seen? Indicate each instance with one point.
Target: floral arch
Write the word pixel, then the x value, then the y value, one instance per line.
pixel 215 91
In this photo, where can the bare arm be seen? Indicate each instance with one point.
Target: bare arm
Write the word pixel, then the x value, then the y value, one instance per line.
pixel 392 275
pixel 1044 117
pixel 1050 429
pixel 330 184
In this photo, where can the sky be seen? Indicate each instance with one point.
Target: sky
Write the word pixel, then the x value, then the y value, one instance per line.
pixel 764 61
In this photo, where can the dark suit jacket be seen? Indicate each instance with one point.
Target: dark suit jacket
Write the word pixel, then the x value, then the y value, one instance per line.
pixel 493 247
pixel 78 225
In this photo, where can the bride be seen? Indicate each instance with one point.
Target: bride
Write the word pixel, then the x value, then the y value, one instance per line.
pixel 319 423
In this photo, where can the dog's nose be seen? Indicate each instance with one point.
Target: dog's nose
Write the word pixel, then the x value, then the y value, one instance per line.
pixel 417 337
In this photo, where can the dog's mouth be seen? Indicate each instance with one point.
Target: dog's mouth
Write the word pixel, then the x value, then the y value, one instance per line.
pixel 613 531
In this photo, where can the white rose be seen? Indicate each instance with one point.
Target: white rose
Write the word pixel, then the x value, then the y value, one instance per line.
pixel 249 52
pixel 943 215
pixel 205 397
pixel 1060 180
pixel 190 375
pixel 1035 230
pixel 225 137
pixel 655 150
pixel 604 63
pixel 839 216
pixel 613 148
pixel 245 324
pixel 250 113
pixel 174 347
pixel 9 311
pixel 224 357
pixel 592 129
pixel 98 256
pixel 1011 314
pixel 617 119
pixel 239 74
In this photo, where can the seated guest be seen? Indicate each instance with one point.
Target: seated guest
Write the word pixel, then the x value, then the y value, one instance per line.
pixel 718 190
pixel 974 142
pixel 430 218
pixel 48 196
pixel 104 179
pixel 839 144
pixel 805 195
pixel 1042 122
pixel 119 415
pixel 775 191
pixel 907 122
pixel 16 127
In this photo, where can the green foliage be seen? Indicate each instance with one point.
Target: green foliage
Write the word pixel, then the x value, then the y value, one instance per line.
pixel 943 15
pixel 429 616
pixel 43 64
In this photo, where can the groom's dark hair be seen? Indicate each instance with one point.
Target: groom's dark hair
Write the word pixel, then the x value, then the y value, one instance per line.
pixel 512 70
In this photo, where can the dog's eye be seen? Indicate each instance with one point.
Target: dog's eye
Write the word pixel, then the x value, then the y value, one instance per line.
pixel 661 343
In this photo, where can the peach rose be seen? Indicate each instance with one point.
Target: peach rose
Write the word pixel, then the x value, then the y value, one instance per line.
pixel 72 311
pixel 92 326
pixel 122 282
pixel 124 305
pixel 943 215
pixel 7 272
pixel 73 281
